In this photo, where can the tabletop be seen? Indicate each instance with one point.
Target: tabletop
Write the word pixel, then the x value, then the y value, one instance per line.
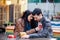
pixel 3 36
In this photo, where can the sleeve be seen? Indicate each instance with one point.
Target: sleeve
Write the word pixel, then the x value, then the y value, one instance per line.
pixel 45 33
pixel 50 32
pixel 19 26
pixel 34 24
pixel 41 34
pixel 31 31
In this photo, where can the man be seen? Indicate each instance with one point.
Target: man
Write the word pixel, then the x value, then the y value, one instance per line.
pixel 44 31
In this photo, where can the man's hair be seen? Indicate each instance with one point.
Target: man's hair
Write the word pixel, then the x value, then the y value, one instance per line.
pixel 37 11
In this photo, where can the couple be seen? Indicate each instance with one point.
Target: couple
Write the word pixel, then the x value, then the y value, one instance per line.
pixel 29 23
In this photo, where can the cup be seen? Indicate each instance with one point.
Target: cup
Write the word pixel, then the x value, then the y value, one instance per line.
pixel 22 34
pixel 40 25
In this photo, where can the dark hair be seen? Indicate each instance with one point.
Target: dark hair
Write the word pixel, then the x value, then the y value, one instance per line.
pixel 26 14
pixel 37 11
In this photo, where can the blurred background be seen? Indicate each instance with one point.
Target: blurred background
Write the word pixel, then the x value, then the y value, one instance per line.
pixel 10 10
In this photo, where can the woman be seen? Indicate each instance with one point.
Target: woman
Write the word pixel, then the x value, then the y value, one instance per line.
pixel 23 24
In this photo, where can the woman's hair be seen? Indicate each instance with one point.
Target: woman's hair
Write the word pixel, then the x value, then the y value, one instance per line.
pixel 26 14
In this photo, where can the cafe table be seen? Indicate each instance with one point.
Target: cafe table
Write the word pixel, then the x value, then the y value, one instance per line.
pixel 3 36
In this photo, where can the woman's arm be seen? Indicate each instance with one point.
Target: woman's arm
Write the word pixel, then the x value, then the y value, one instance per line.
pixel 31 31
pixel 19 26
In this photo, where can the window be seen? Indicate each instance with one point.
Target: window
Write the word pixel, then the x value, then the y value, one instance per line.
pixel 33 1
pixel 44 1
pixel 57 1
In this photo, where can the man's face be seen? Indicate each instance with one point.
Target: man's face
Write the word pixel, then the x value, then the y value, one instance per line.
pixel 37 17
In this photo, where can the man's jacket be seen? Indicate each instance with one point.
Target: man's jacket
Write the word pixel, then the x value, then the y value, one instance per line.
pixel 46 32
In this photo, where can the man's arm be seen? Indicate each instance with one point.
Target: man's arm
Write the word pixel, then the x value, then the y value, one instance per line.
pixel 41 34
pixel 46 32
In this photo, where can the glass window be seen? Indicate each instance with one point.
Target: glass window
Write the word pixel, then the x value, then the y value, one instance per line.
pixel 43 1
pixel 33 1
pixel 57 1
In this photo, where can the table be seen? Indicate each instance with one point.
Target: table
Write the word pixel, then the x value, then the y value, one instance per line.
pixel 3 36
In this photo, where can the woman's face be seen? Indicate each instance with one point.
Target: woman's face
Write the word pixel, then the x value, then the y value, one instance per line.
pixel 30 17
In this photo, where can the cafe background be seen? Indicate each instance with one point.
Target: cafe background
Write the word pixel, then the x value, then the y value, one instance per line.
pixel 10 10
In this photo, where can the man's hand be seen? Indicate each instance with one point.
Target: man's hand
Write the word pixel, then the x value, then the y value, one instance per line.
pixel 25 36
pixel 37 29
